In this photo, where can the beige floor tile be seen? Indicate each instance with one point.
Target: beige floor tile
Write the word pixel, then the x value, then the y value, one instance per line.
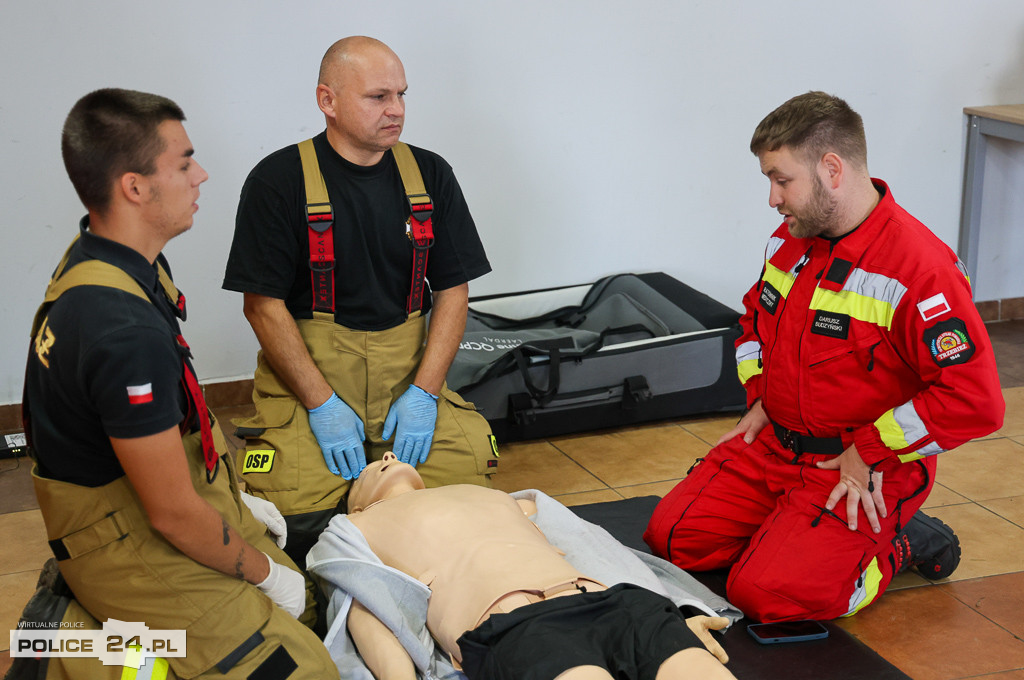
pixel 635 456
pixel 711 429
pixel 908 579
pixel 982 470
pixel 15 591
pixel 990 544
pixel 539 465
pixel 16 490
pixel 1011 509
pixel 1005 675
pixel 930 635
pixel 1013 420
pixel 1000 599
pixel 5 661
pixel 23 537
pixel 585 497
pixel 942 495
pixel 652 489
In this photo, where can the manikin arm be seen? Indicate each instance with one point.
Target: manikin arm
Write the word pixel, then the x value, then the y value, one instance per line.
pixel 528 506
pixel 380 649
pixel 702 627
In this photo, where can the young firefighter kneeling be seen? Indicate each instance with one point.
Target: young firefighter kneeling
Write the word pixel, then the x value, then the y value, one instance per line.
pixel 503 602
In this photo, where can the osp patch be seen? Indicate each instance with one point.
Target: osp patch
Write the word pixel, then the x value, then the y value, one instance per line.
pixel 949 342
pixel 258 460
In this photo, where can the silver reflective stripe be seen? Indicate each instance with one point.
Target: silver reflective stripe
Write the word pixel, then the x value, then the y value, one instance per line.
pixel 929 450
pixel 748 351
pixel 876 286
pixel 774 243
pixel 913 427
pixel 858 597
pixel 800 264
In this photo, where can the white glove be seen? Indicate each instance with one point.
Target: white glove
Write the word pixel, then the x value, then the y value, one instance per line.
pixel 286 587
pixel 267 512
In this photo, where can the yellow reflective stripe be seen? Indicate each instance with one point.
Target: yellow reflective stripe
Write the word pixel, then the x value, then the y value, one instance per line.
pixel 747 369
pixel 866 594
pixel 860 307
pixel 160 668
pixel 890 432
pixel 868 297
pixel 908 457
pixel 779 279
pixel 153 668
pixel 132 661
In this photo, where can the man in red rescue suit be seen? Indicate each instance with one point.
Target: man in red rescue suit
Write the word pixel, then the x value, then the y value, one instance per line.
pixel 863 358
pixel 140 500
pixel 351 372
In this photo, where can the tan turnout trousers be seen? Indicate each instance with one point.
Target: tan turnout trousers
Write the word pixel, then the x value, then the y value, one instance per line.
pixel 368 370
pixel 120 567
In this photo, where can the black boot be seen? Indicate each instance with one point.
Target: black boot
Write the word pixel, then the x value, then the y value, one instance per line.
pixel 928 545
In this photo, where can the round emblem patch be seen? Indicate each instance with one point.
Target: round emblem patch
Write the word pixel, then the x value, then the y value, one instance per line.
pixel 949 343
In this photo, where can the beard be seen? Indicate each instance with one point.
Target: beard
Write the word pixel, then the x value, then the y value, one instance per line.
pixel 818 216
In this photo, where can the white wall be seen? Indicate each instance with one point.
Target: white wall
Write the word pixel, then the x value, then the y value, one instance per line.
pixel 590 137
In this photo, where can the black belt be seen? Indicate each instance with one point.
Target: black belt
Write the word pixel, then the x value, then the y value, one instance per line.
pixel 800 443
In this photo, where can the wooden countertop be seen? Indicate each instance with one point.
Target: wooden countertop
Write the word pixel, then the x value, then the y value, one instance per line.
pixel 1008 114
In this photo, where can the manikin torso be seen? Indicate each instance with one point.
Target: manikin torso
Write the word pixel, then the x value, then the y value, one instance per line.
pixel 471 545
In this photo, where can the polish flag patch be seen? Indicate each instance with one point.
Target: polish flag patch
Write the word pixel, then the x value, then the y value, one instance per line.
pixel 140 394
pixel 933 307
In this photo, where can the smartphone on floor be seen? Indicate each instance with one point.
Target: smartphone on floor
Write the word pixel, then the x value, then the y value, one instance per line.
pixel 787 631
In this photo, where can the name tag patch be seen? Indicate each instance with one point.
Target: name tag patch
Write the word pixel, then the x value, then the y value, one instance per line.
pixel 831 324
pixel 258 460
pixel 949 343
pixel 769 297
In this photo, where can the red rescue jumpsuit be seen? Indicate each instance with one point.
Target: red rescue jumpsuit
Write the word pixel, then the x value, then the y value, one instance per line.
pixel 871 340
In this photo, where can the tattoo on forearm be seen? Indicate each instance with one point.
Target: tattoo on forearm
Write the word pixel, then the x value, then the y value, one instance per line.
pixel 227 535
pixel 238 563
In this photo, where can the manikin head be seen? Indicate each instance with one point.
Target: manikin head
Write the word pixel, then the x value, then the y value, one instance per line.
pixel 385 478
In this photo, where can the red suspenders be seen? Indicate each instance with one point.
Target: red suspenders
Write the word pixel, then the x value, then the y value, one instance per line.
pixel 420 228
pixel 320 220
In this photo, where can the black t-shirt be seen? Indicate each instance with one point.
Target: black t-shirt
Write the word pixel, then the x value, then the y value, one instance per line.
pixel 107 365
pixel 373 256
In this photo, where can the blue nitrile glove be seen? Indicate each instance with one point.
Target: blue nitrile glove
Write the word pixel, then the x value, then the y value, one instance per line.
pixel 339 432
pixel 415 413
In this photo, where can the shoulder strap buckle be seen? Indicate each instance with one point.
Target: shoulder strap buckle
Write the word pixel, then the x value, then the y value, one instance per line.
pixel 320 216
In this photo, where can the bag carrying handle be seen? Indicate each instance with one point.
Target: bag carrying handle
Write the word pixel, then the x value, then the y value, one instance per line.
pixel 552 349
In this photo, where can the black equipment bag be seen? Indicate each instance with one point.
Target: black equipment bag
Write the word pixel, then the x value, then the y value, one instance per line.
pixel 627 349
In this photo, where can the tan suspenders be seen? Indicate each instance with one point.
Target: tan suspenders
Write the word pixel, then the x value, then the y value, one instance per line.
pixel 320 220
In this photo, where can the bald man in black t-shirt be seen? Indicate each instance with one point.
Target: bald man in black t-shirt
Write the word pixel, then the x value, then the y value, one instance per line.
pixel 339 383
